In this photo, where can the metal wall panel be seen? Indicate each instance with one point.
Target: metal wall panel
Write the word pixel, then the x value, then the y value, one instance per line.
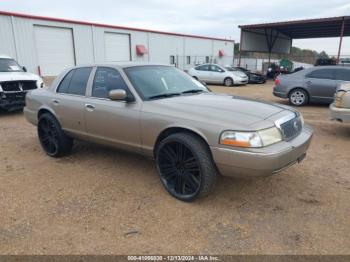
pixel 89 44
pixel 117 47
pixel 7 45
pixel 55 49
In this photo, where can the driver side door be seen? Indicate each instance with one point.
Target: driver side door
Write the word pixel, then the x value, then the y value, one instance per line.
pixel 108 121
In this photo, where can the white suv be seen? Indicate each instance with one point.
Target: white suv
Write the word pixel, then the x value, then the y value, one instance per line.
pixel 215 74
pixel 15 82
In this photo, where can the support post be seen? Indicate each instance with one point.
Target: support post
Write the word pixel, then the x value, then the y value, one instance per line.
pixel 240 50
pixel 341 39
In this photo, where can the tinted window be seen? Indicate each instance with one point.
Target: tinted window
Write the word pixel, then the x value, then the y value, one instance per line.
pixel 64 85
pixel 203 68
pixel 216 68
pixel 343 74
pixel 322 74
pixel 79 81
pixel 107 79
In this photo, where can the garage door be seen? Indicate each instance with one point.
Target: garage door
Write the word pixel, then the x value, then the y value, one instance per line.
pixel 117 47
pixel 55 49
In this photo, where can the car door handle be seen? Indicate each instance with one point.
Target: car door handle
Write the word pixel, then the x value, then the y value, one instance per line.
pixel 89 107
pixel 55 101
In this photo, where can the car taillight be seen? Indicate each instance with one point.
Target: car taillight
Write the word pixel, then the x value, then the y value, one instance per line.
pixel 277 82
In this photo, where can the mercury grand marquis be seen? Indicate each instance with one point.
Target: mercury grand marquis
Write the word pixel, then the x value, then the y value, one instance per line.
pixel 194 135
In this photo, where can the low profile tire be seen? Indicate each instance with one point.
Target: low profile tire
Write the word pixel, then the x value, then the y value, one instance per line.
pixel 185 167
pixel 298 97
pixel 52 138
pixel 228 81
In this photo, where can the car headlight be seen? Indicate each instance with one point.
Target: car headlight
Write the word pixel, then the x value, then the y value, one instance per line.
pixel 339 97
pixel 255 139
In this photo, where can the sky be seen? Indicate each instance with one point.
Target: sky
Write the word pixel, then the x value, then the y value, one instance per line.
pixel 219 18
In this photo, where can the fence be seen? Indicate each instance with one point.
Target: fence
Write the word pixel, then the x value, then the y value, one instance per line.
pixel 261 64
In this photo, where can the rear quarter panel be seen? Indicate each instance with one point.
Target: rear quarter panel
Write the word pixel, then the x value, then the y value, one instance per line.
pixel 35 101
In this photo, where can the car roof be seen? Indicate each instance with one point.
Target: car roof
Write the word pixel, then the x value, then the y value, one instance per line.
pixel 121 64
pixel 5 56
pixel 329 67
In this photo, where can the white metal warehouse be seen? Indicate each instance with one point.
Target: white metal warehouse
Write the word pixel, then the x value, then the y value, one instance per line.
pixel 48 45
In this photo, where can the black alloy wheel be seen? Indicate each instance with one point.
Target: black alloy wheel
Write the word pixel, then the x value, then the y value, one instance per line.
pixel 185 166
pixel 52 138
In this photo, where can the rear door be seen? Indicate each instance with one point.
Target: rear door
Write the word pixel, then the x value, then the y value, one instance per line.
pixel 108 121
pixel 203 73
pixel 321 84
pixel 69 100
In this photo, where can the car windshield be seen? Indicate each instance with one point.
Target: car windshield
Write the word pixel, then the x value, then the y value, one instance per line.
pixel 154 82
pixel 9 65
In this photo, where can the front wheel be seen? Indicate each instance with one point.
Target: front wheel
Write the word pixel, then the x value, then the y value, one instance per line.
pixel 298 97
pixel 228 82
pixel 185 166
pixel 52 138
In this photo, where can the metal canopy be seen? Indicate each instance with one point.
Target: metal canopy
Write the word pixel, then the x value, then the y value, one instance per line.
pixel 305 29
pixel 311 28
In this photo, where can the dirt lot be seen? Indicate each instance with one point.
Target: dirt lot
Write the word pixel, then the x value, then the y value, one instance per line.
pixel 101 201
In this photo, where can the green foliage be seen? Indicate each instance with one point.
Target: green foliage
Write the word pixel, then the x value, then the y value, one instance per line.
pixel 297 54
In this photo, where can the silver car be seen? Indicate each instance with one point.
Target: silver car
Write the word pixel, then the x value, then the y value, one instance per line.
pixel 215 74
pixel 340 108
pixel 314 85
pixel 163 113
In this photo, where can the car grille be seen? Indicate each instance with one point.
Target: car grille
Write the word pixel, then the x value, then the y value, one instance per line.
pixel 28 85
pixel 18 86
pixel 291 128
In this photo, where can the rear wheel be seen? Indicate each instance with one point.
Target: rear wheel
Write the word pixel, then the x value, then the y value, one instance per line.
pixel 298 97
pixel 52 138
pixel 228 81
pixel 185 166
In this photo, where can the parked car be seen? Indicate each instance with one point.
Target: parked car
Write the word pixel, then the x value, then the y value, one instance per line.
pixel 15 83
pixel 161 112
pixel 253 77
pixel 215 74
pixel 273 71
pixel 315 84
pixel 340 108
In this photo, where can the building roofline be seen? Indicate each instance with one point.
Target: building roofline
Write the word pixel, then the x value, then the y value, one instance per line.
pixel 62 20
pixel 294 22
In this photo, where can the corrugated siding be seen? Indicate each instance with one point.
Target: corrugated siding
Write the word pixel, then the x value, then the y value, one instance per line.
pixel 90 47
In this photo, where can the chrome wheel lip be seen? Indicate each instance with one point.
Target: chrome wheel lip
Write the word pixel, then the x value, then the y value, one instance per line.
pixel 180 173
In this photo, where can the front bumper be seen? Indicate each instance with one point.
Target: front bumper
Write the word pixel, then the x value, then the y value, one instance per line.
pixel 339 113
pixel 241 82
pixel 263 161
pixel 12 101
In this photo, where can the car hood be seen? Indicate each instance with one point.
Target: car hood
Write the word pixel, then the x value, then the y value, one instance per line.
pixel 14 76
pixel 239 74
pixel 219 109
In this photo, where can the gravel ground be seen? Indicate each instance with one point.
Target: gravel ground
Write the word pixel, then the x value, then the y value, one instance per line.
pixel 103 201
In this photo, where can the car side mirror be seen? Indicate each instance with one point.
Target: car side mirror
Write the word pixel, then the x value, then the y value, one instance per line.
pixel 118 94
pixel 24 69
